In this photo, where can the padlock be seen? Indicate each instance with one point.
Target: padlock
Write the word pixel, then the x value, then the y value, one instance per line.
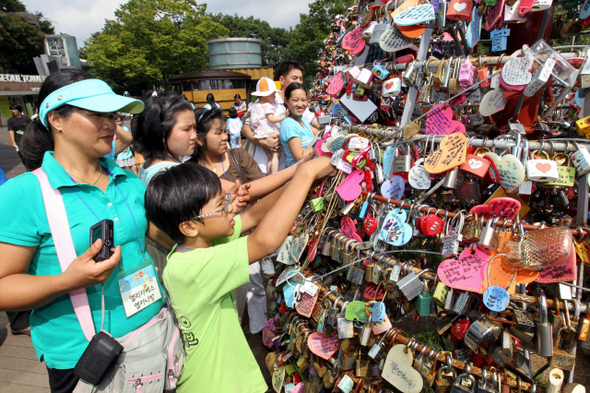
pixel 465 383
pixel 391 87
pixel 585 81
pixel 366 334
pixel 393 277
pixel 424 302
pixel 345 328
pixel 482 332
pixel 489 240
pixel 524 320
pixel 475 165
pixel 471 229
pixel 362 366
pixel 583 126
pixel 454 178
pixel 348 358
pixel 317 204
pixel 445 379
pixel 402 163
pixel 581 160
pixel 452 240
pixel 564 359
pixel 364 78
pixel 327 245
pixel 485 384
pixel 584 327
pixel 460 10
pixel 541 170
pixel 462 305
pixel 355 275
pixel 379 71
pixel 376 348
pixel 429 369
pixel 450 300
pixel 410 74
pixel 440 294
pixel 506 346
pixel 411 285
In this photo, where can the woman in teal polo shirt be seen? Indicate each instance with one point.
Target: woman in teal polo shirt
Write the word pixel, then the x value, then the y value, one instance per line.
pixel 74 131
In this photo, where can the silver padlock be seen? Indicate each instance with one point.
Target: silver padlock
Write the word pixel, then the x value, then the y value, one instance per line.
pixel 581 160
pixel 544 333
pixel 465 382
pixel 450 300
pixel 489 239
pixel 453 237
pixel 482 331
pixel 410 74
pixel 402 163
pixel 411 285
pixel 462 305
pixel 454 178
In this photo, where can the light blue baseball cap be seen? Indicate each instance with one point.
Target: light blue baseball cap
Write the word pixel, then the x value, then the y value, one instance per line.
pixel 90 94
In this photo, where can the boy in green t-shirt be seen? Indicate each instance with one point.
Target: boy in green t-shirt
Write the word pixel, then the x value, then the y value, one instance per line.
pixel 210 260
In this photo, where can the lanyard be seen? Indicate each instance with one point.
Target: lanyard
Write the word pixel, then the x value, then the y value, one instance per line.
pixel 126 204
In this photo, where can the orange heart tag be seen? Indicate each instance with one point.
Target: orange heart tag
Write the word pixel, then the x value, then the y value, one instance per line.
pixel 451 153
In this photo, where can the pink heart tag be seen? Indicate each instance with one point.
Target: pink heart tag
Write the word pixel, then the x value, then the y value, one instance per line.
pixel 467 273
pixel 348 229
pixel 566 272
pixel 353 41
pixel 440 122
pixel 503 207
pixel 350 188
pixel 323 346
pixel 336 85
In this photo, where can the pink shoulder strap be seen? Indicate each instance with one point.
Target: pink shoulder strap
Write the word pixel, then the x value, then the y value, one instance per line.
pixel 64 246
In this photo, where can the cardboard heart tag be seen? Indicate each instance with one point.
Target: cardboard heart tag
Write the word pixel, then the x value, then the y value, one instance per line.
pixel 505 208
pixel 278 377
pixel 492 102
pixel 419 14
pixel 393 188
pixel 267 337
pixel 298 246
pixel 440 122
pixel 313 248
pixel 373 291
pixel 474 28
pixel 395 230
pixel 418 177
pixel 356 310
pixel 495 15
pixel 350 188
pixel 465 274
pixel 566 272
pixel 398 371
pixel 284 255
pixel 336 85
pixel 517 70
pixel 452 152
pixel 353 41
pixel 348 229
pixel 512 173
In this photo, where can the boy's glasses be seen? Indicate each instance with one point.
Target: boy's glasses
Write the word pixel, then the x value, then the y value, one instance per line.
pixel 224 209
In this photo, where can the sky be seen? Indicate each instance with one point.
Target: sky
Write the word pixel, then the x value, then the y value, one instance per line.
pixel 81 18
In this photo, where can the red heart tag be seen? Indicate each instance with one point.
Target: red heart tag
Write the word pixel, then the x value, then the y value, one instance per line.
pixel 370 224
pixel 433 225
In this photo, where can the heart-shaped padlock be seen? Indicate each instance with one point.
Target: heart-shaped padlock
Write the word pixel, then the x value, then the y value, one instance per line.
pixel 370 223
pixel 433 225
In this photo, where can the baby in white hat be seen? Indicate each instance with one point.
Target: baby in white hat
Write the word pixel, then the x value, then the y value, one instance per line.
pixel 264 119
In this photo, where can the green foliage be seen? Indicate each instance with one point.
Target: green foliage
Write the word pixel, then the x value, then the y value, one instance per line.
pixel 309 35
pixel 150 41
pixel 20 40
pixel 274 40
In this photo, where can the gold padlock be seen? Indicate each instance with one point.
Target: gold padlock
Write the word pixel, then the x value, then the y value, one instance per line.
pixel 585 80
pixel 583 126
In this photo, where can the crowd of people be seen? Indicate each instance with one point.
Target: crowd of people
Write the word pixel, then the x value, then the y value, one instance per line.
pixel 197 208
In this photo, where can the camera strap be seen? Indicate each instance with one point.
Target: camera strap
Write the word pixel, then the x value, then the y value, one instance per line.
pixel 64 247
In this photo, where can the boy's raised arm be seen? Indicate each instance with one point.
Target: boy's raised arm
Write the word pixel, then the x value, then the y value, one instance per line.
pixel 277 222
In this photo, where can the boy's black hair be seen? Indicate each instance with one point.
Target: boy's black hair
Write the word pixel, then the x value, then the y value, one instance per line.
pixel 233 112
pixel 178 194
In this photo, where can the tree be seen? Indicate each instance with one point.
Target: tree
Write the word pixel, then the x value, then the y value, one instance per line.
pixel 151 41
pixel 21 36
pixel 274 40
pixel 308 36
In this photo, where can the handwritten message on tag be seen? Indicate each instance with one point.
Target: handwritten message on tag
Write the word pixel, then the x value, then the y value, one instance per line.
pixel 419 14
pixel 499 39
pixel 495 15
pixel 517 70
pixel 452 152
pixel 398 370
pixel 466 74
pixel 306 304
pixel 511 172
pixel 393 188
pixel 395 230
pixel 503 207
pixel 492 102
pixel 336 85
pixel 465 274
pixel 418 177
pixel 370 289
pixel 285 256
pixel 323 346
pixel 474 28
pixel 541 77
pixel 348 229
pixel 299 244
pixel 393 40
pixel 356 310
pixel 277 379
pixel 440 122
pixel 353 41
pixel 378 31
pixel 566 272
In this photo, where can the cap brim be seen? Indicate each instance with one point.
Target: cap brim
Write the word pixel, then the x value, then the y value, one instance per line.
pixel 106 103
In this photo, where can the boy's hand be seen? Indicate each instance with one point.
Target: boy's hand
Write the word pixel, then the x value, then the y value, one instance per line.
pixel 240 196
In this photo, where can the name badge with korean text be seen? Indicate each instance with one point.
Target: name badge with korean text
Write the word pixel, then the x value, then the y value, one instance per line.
pixel 139 289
